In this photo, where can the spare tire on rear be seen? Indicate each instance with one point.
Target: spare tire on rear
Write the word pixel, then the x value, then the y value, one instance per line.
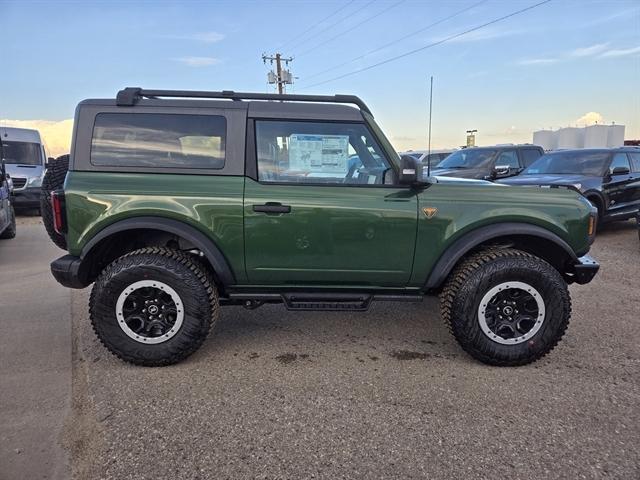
pixel 53 180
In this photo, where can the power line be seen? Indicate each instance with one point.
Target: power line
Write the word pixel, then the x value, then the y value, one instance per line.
pixel 331 25
pixel 316 24
pixel 421 30
pixel 353 27
pixel 439 42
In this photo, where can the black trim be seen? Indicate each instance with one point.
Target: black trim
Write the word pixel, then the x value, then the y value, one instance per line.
pixel 585 269
pixel 69 271
pixel 210 250
pixel 251 159
pixel 460 247
pixel 131 95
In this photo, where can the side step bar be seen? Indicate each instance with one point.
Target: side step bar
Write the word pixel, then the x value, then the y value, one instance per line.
pixel 324 301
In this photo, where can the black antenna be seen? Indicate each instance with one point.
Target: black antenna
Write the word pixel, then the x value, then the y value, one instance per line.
pixel 429 146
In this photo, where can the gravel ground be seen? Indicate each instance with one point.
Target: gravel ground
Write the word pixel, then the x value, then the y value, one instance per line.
pixel 388 394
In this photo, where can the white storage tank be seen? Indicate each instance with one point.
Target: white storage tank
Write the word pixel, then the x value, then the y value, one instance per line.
pixel 545 138
pixel 615 136
pixel 569 137
pixel 596 136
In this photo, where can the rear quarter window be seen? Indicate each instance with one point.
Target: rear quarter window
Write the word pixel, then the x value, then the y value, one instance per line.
pixel 530 155
pixel 635 161
pixel 156 140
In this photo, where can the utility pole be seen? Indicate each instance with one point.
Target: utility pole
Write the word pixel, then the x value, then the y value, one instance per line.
pixel 281 77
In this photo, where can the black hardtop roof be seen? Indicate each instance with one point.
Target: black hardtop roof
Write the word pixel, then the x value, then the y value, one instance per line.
pixel 133 95
pixel 503 146
pixel 596 150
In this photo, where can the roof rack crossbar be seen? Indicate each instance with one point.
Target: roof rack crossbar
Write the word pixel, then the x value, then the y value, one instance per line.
pixel 131 95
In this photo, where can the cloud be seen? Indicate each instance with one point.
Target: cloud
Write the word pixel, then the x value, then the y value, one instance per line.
pixel 537 61
pixel 590 118
pixel 197 61
pixel 589 51
pixel 204 37
pixel 56 134
pixel 620 52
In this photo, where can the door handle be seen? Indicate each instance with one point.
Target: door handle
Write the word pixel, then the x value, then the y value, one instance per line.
pixel 272 208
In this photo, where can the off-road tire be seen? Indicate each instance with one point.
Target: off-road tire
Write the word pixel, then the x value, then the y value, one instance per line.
pixel 53 180
pixel 179 270
pixel 10 231
pixel 477 275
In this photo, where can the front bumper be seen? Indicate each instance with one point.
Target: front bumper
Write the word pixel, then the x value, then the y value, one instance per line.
pixel 27 197
pixel 583 270
pixel 70 272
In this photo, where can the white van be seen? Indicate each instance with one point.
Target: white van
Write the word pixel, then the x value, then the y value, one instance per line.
pixel 25 159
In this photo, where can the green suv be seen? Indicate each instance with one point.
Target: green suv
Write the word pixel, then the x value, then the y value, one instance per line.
pixel 176 203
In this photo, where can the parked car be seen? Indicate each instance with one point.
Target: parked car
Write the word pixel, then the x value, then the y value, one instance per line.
pixel 436 156
pixel 488 163
pixel 7 214
pixel 25 157
pixel 608 178
pixel 172 212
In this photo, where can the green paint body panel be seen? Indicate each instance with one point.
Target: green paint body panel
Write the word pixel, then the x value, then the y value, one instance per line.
pixel 334 236
pixel 211 204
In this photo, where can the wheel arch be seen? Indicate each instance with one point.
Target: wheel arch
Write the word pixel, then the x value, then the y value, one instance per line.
pixel 116 240
pixel 523 236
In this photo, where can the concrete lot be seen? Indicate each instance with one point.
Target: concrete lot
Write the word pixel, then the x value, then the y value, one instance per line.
pixel 35 354
pixel 275 394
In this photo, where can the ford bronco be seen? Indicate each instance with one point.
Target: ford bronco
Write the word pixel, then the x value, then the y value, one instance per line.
pixel 176 203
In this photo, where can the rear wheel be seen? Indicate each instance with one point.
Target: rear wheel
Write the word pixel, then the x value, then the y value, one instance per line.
pixel 53 180
pixel 10 230
pixel 154 306
pixel 506 307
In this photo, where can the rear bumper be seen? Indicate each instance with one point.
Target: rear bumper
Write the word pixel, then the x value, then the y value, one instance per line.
pixel 583 271
pixel 27 198
pixel 69 272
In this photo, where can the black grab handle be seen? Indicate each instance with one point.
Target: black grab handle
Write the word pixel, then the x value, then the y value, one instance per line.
pixel 272 208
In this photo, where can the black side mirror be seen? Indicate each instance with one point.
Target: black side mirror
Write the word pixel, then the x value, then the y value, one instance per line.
pixel 410 171
pixel 620 171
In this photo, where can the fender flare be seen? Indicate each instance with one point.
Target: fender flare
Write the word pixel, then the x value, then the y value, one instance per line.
pixel 468 241
pixel 207 246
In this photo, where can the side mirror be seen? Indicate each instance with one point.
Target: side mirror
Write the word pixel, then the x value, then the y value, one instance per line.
pixel 501 170
pixel 620 171
pixel 410 171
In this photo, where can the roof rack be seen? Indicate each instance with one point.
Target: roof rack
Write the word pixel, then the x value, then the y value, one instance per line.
pixel 131 95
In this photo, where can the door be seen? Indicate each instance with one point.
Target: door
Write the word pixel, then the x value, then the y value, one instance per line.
pixel 319 212
pixel 634 185
pixel 618 186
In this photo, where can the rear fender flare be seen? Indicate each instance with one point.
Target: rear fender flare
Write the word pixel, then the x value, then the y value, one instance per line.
pixel 210 250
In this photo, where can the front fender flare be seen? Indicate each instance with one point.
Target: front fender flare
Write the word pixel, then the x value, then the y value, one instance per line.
pixel 468 241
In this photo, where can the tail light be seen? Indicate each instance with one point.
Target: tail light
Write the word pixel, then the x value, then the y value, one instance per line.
pixel 59 217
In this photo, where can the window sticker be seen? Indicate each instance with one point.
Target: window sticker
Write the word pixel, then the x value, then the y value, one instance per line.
pixel 319 153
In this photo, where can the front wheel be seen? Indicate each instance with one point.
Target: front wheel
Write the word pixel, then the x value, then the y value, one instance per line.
pixel 154 306
pixel 506 307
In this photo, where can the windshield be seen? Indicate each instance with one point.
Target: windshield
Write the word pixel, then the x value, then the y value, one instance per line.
pixel 583 163
pixel 21 152
pixel 468 158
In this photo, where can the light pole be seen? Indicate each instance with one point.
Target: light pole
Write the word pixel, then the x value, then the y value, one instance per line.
pixel 471 138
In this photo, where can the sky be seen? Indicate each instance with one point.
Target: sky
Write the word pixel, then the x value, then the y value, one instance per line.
pixel 562 63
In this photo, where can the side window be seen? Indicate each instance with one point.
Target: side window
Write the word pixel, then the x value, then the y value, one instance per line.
pixel 155 140
pixel 529 155
pixel 318 152
pixel 635 161
pixel 619 160
pixel 508 158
